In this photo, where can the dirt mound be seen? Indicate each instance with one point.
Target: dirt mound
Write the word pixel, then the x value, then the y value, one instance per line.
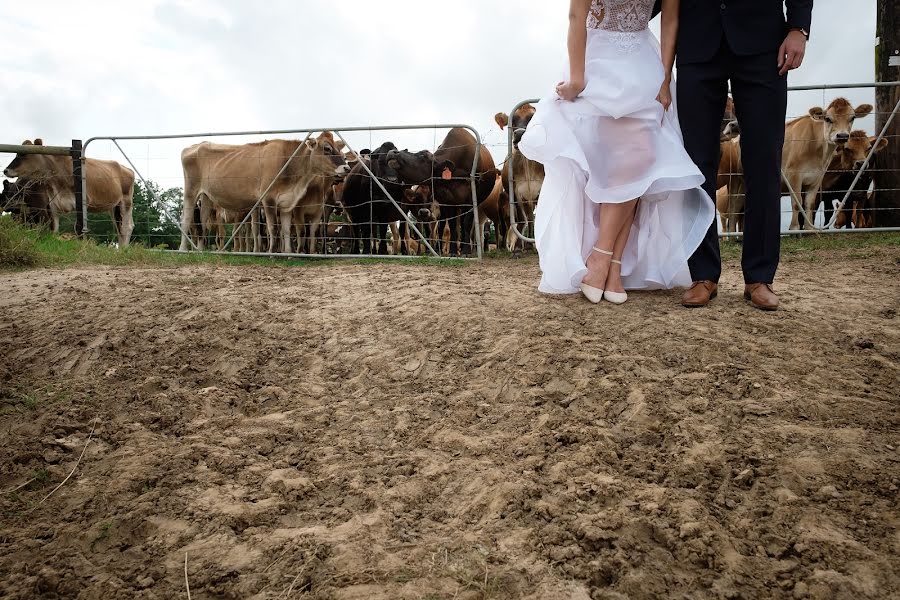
pixel 400 431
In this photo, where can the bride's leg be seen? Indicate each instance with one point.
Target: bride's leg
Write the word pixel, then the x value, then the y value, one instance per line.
pixel 614 279
pixel 612 216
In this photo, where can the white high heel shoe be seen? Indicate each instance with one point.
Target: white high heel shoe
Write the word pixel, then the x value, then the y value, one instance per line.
pixel 615 297
pixel 595 295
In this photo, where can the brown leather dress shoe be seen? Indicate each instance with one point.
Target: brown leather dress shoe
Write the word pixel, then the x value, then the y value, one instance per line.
pixel 699 294
pixel 761 296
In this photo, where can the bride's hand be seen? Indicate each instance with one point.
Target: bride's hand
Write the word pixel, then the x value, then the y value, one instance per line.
pixel 569 90
pixel 665 95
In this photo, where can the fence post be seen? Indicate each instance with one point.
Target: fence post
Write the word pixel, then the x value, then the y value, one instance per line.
pixel 78 176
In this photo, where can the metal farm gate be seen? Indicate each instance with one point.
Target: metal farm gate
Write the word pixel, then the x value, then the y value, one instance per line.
pixel 238 228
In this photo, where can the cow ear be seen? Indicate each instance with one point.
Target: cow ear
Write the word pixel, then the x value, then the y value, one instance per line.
pixel 881 145
pixel 364 152
pixel 27 143
pixel 502 119
pixel 312 144
pixel 339 146
pixel 863 110
pixel 817 113
pixel 38 142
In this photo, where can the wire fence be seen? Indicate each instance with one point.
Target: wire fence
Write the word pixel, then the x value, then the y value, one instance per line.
pixel 333 193
pixel 267 202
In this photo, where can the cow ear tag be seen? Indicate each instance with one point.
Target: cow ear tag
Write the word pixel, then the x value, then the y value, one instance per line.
pixel 447 174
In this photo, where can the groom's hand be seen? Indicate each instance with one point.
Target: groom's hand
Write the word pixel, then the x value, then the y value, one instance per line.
pixel 792 51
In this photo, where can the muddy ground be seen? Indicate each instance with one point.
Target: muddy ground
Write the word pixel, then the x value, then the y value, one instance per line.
pixel 437 432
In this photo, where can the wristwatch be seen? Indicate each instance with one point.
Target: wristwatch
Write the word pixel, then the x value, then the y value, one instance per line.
pixel 801 30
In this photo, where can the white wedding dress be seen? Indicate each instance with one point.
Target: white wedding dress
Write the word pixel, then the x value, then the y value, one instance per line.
pixel 615 143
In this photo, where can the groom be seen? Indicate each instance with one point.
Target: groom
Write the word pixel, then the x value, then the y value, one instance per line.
pixel 750 43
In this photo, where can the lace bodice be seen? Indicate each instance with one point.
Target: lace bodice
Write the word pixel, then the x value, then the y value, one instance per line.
pixel 623 16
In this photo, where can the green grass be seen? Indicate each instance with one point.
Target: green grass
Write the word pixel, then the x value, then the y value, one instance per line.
pixel 22 247
pixel 857 245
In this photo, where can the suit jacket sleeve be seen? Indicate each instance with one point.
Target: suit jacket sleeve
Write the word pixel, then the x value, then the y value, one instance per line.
pixel 799 13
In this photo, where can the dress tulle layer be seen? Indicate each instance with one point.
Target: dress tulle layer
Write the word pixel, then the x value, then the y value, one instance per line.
pixel 615 143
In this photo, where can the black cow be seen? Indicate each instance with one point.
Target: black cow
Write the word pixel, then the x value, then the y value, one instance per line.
pixel 369 209
pixel 447 171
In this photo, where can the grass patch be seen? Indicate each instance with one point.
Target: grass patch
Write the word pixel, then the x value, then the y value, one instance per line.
pixel 23 247
pixel 18 247
pixel 859 245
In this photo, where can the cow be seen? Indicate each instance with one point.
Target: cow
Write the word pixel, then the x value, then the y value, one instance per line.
pixel 28 200
pixel 528 175
pixel 235 177
pixel 809 145
pixel 729 128
pixel 341 234
pixel 731 178
pixel 847 161
pixel 496 210
pixel 365 202
pixel 448 172
pixel 110 186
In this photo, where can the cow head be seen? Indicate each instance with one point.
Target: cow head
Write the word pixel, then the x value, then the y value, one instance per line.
pixel 325 156
pixel 28 165
pixel 379 162
pixel 421 202
pixel 838 119
pixel 413 167
pixel 520 120
pixel 731 130
pixel 852 155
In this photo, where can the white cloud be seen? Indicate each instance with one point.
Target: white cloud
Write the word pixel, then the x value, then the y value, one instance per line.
pixel 75 70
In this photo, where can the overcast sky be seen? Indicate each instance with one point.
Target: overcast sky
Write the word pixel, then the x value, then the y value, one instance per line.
pixel 100 67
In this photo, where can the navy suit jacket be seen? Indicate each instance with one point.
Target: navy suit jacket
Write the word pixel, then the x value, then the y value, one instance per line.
pixel 749 27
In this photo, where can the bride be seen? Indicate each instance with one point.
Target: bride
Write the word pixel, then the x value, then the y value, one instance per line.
pixel 621 206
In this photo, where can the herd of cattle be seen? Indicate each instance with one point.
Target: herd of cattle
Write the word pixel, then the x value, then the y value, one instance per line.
pixel 312 193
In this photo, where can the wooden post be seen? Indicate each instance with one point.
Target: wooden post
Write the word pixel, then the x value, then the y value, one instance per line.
pixel 77 176
pixel 887 68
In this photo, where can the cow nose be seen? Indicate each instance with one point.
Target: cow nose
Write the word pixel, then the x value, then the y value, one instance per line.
pixel 842 138
pixel 517 135
pixel 8 173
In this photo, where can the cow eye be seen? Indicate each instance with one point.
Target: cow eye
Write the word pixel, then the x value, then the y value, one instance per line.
pixel 828 120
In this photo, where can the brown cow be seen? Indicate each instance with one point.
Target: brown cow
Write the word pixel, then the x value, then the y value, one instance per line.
pixel 496 210
pixel 731 177
pixel 809 145
pixel 235 177
pixel 848 160
pixel 110 186
pixel 528 175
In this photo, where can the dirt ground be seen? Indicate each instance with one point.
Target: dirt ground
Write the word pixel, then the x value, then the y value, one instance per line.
pixel 436 432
